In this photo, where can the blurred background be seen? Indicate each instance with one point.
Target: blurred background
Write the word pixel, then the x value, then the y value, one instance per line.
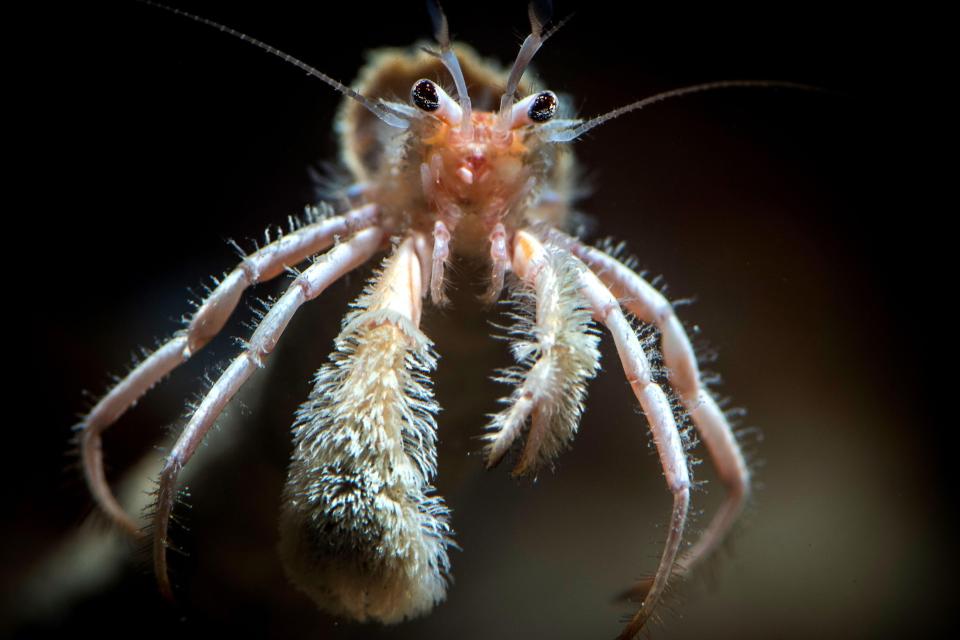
pixel 783 215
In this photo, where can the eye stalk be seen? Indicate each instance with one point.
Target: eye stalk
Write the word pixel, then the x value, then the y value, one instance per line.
pixel 430 98
pixel 534 109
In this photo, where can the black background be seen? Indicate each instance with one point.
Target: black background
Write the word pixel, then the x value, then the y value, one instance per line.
pixel 791 218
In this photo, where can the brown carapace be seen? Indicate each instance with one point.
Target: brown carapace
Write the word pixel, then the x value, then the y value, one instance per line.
pixel 489 176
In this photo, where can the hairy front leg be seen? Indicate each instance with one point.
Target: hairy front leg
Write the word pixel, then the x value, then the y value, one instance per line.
pixel 361 530
pixel 557 352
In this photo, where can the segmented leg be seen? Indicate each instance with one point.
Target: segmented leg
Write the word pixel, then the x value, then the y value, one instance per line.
pixel 641 299
pixel 361 530
pixel 560 352
pixel 528 253
pixel 500 259
pixel 441 253
pixel 208 320
pixel 308 285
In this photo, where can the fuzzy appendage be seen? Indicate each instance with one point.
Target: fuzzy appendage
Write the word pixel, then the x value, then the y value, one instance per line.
pixel 361 532
pixel 556 351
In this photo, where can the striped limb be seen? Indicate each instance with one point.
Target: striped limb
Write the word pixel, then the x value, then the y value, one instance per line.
pixel 308 285
pixel 361 531
pixel 559 353
pixel 208 320
pixel 656 407
pixel 645 302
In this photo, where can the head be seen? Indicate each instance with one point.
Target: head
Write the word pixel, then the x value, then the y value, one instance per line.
pixel 463 155
pixel 501 156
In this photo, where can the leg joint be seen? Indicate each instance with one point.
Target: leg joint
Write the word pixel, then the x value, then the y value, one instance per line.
pixel 249 269
pixel 607 309
pixel 662 312
pixel 680 485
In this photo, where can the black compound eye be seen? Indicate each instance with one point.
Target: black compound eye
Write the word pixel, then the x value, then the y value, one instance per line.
pixel 425 95
pixel 543 107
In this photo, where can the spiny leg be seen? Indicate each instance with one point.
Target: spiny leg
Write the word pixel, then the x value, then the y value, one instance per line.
pixel 361 530
pixel 208 320
pixel 308 285
pixel 560 353
pixel 528 252
pixel 649 305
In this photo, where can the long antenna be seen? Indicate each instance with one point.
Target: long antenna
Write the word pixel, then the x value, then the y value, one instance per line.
pixel 572 133
pixel 375 108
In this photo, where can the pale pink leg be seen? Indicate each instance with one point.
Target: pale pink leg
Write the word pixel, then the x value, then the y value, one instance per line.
pixel 645 302
pixel 308 285
pixel 500 260
pixel 208 320
pixel 447 216
pixel 655 406
pixel 423 246
pixel 441 253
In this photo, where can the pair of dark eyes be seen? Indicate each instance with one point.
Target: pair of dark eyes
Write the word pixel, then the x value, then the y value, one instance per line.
pixel 426 95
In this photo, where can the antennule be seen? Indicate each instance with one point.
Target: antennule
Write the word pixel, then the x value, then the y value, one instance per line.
pixel 441 32
pixel 539 14
pixel 377 109
pixel 576 130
